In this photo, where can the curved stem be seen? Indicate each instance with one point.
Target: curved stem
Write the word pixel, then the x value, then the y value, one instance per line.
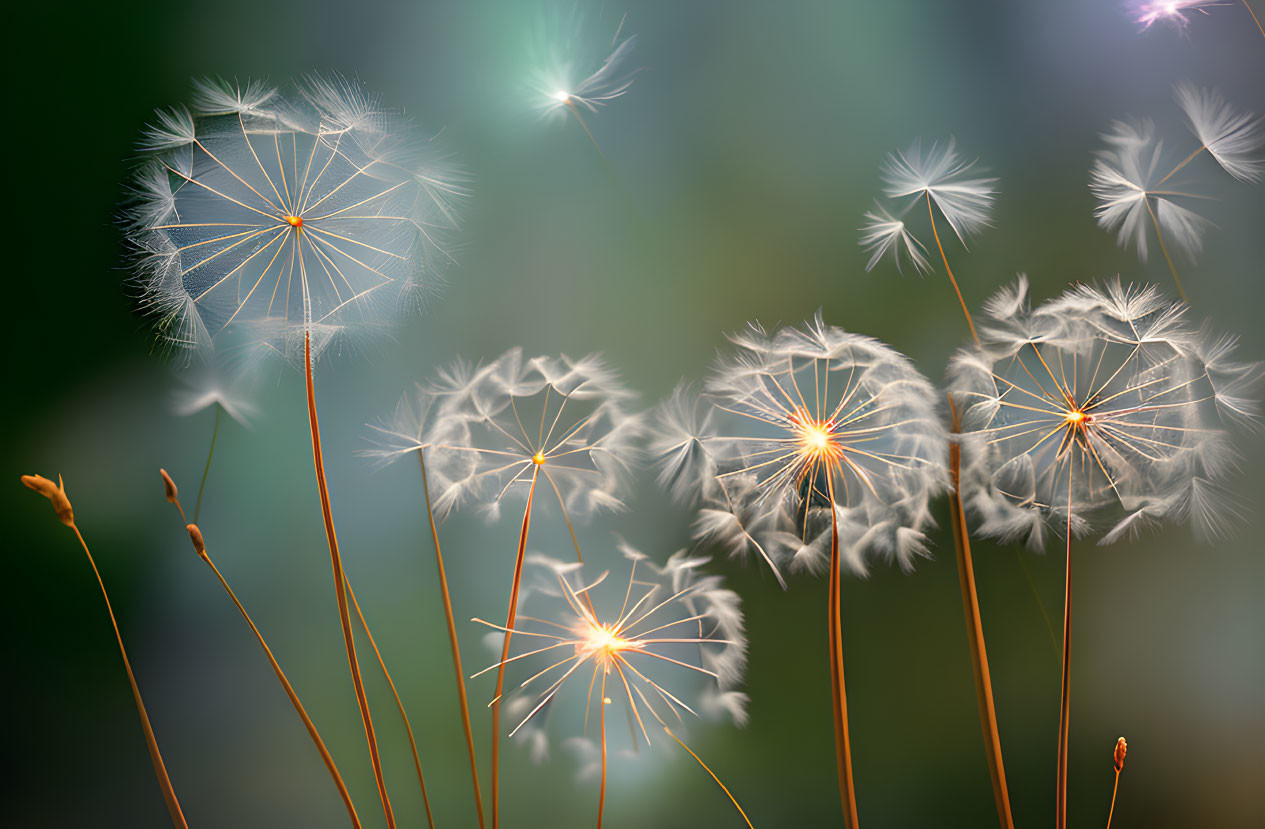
pixel 340 592
pixel 452 641
pixel 969 322
pixel 601 797
pixel 399 704
pixel 732 799
pixel 505 652
pixel 1255 19
pixel 1114 788
pixel 843 742
pixel 1060 806
pixel 290 692
pixel 975 636
pixel 160 768
pixel 215 432
pixel 1164 249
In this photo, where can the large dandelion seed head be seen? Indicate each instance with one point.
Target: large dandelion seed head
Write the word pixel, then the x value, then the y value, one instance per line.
pixel 657 647
pixel 490 430
pixel 571 68
pixel 1099 408
pixel 270 217
pixel 797 427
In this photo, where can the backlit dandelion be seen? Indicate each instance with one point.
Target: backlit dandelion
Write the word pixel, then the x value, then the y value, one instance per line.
pixel 817 446
pixel 946 181
pixel 568 75
pixel 1100 406
pixel 1133 191
pixel 675 643
pixel 1178 13
pixel 511 426
pixel 287 219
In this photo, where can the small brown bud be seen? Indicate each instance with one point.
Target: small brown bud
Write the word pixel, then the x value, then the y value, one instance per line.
pixel 1121 748
pixel 54 493
pixel 169 486
pixel 195 535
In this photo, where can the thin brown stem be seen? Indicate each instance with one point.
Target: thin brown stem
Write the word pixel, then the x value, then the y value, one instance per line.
pixel 975 635
pixel 160 768
pixel 1164 249
pixel 1184 162
pixel 969 322
pixel 1060 805
pixel 215 432
pixel 452 641
pixel 601 797
pixel 843 742
pixel 340 593
pixel 723 788
pixel 285 683
pixel 399 704
pixel 505 651
pixel 1255 19
pixel 1114 788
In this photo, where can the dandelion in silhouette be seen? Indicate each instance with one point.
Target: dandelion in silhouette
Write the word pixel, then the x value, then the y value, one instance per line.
pixel 1134 193
pixel 946 182
pixel 286 220
pixel 1178 13
pixel 813 447
pixel 510 428
pixel 1100 407
pixel 674 647
pixel 569 76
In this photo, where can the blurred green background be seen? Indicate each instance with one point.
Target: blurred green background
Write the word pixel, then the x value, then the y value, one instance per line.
pixel 745 155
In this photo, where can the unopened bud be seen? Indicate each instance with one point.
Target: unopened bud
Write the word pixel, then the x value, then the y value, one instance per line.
pixel 195 535
pixel 56 493
pixel 169 487
pixel 1121 748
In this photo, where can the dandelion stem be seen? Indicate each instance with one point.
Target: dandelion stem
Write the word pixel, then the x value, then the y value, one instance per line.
pixel 576 112
pixel 1114 788
pixel 601 796
pixel 417 762
pixel 975 635
pixel 215 431
pixel 452 641
pixel 276 669
pixel 843 743
pixel 1118 756
pixel 969 322
pixel 1185 161
pixel 1060 806
pixel 505 651
pixel 340 583
pixel 160 769
pixel 1259 28
pixel 1164 249
pixel 714 777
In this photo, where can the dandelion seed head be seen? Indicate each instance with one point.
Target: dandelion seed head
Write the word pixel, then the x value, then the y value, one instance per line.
pixel 490 430
pixel 1102 409
pixel 807 428
pixel 273 215
pixel 654 645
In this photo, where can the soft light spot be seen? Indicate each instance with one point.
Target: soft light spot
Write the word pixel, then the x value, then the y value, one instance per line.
pixel 538 458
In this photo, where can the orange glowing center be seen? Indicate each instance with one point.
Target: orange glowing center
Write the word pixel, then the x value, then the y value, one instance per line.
pixel 538 458
pixel 816 437
pixel 602 641
pixel 1076 417
pixel 295 221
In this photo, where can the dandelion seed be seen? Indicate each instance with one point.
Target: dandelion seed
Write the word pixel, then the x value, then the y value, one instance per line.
pixel 1229 136
pixel 940 177
pixel 1100 404
pixel 831 453
pixel 1177 13
pixel 675 647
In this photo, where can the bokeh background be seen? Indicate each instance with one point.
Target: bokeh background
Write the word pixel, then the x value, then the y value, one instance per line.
pixel 743 159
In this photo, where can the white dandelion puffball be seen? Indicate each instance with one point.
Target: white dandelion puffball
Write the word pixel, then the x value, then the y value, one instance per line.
pixel 489 431
pixel 572 68
pixel 655 646
pixel 1102 405
pixel 803 431
pixel 266 216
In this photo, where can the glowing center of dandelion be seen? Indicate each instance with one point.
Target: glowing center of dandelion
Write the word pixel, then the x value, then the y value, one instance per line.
pixel 601 641
pixel 295 221
pixel 816 437
pixel 538 458
pixel 560 95
pixel 1076 417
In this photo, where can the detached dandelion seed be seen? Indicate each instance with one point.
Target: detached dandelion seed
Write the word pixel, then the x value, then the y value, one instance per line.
pixel 675 645
pixel 504 429
pixel 944 180
pixel 1102 403
pixel 1177 13
pixel 288 220
pixel 817 448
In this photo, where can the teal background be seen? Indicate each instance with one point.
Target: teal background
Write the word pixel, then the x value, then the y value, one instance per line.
pixel 741 162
